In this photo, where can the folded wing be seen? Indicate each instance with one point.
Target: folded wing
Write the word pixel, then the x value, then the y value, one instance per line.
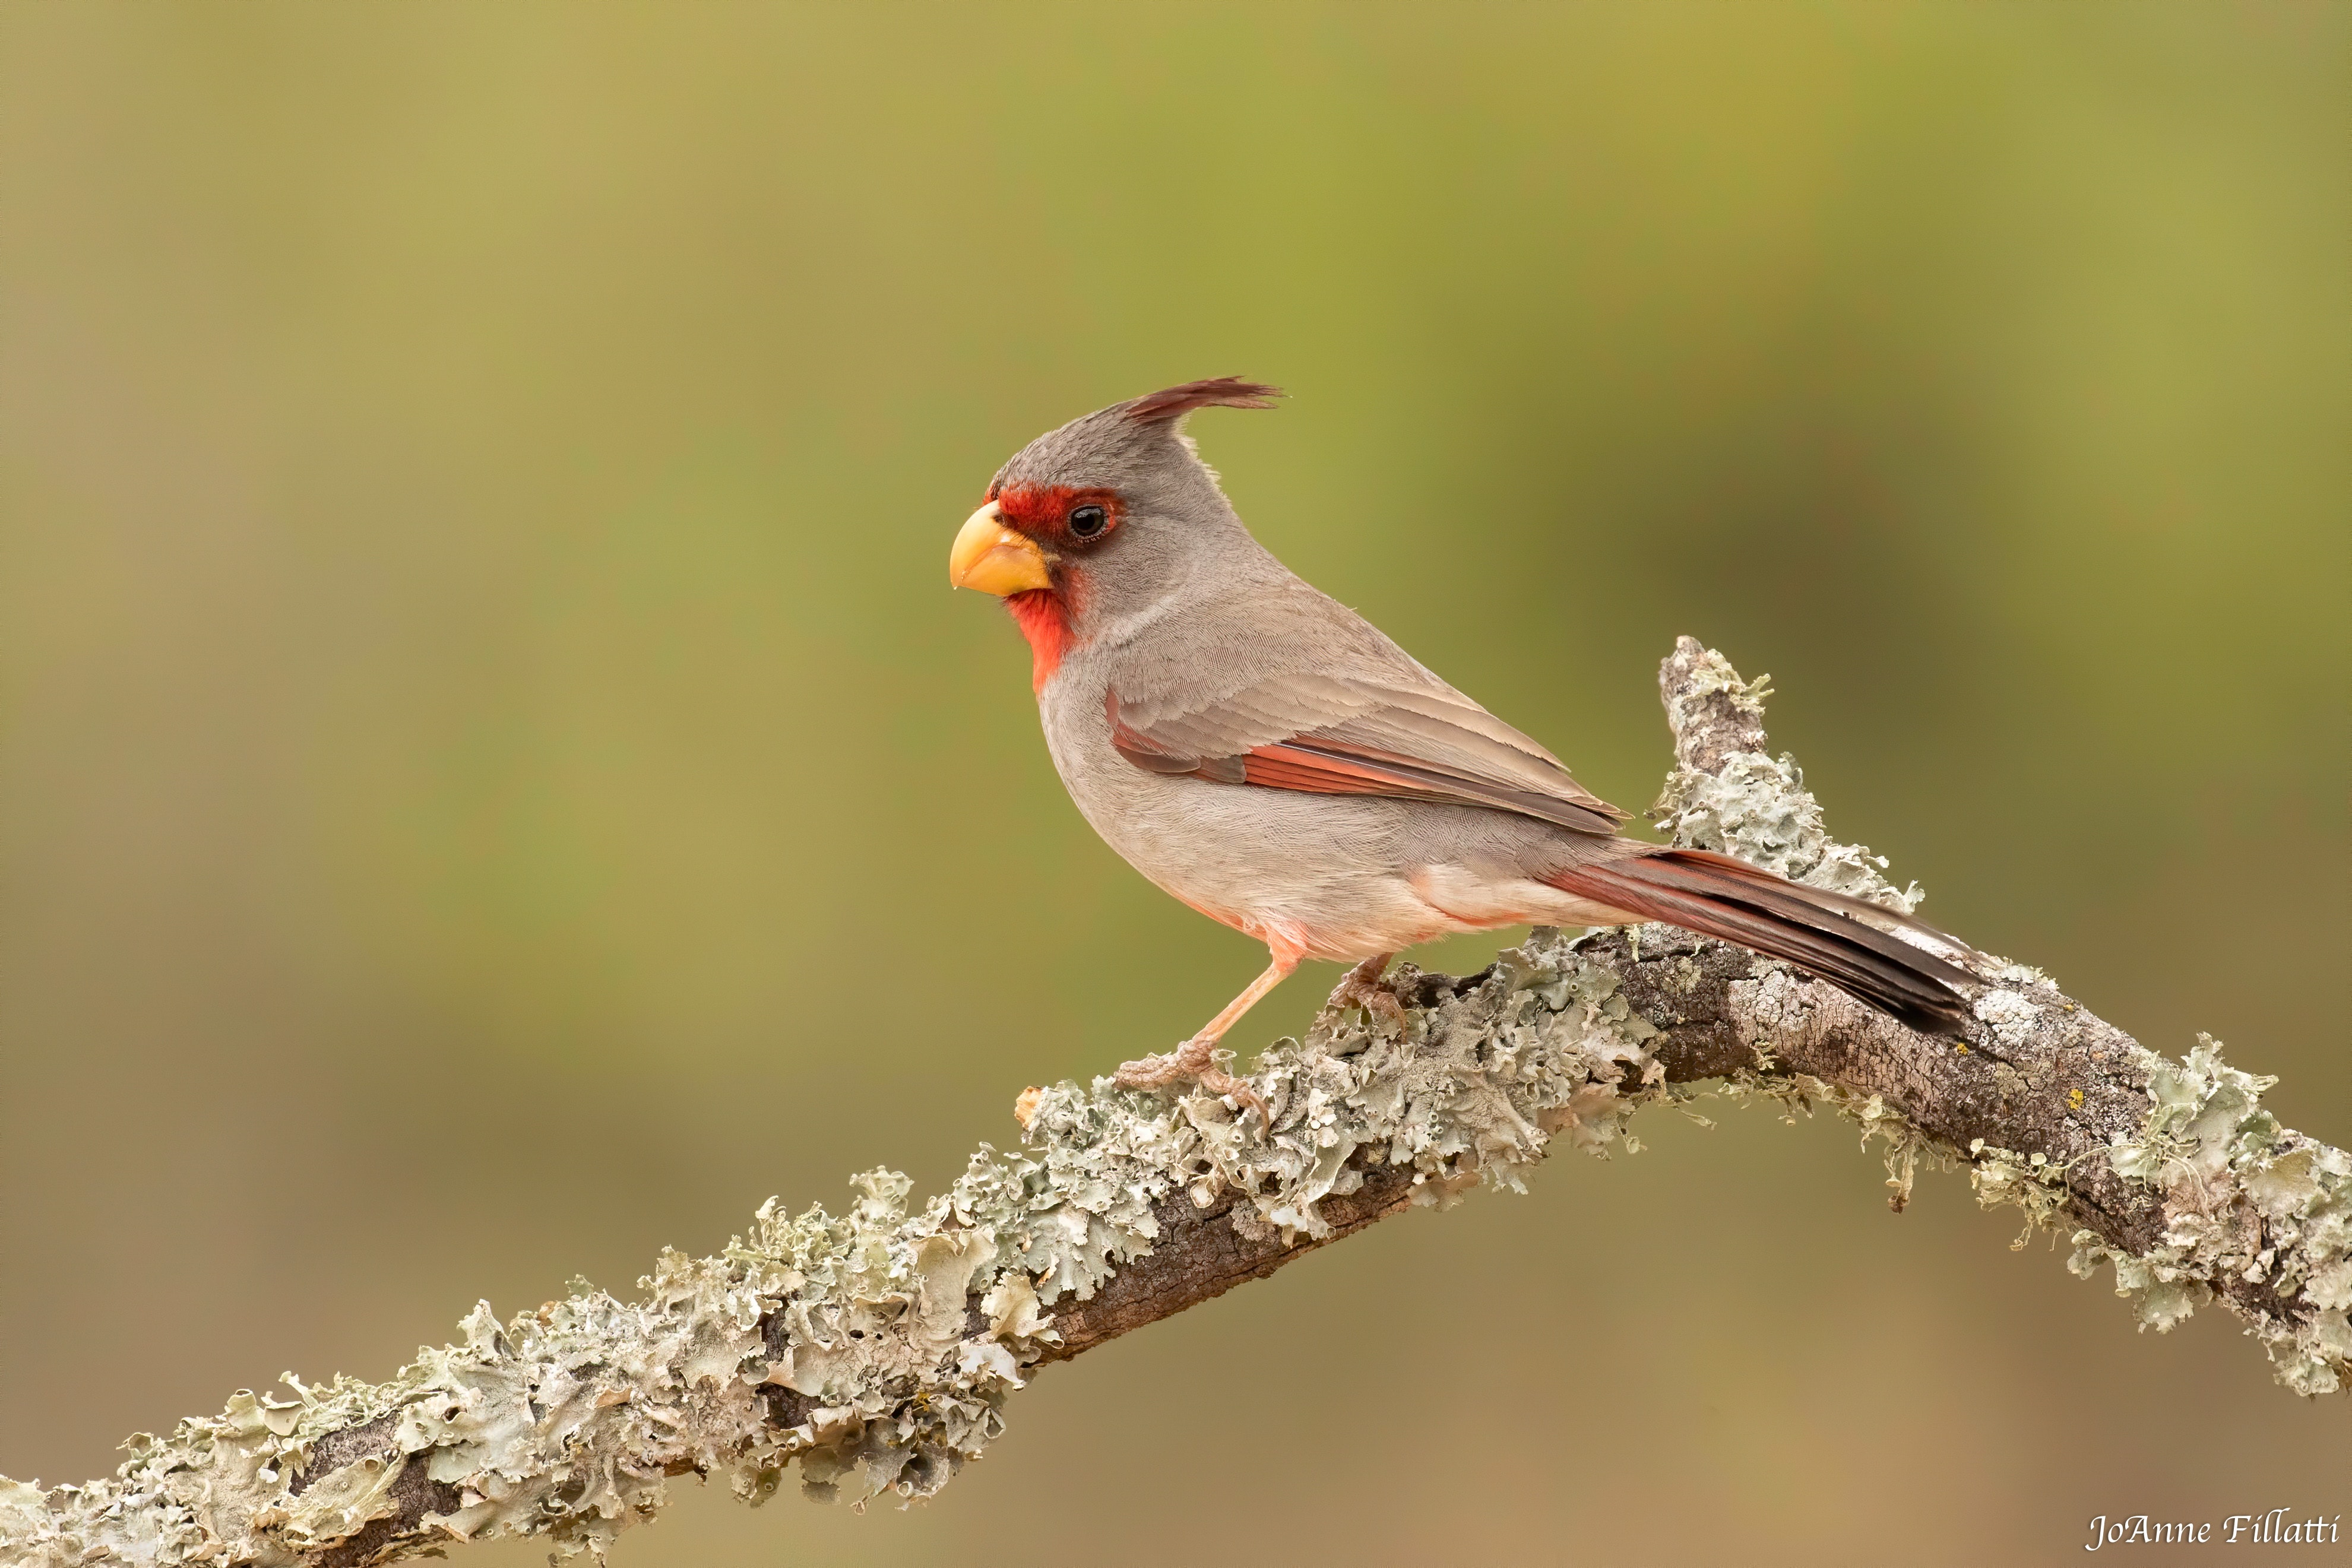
pixel 1330 735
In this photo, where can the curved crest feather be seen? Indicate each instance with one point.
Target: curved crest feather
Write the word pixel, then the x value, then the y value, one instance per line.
pixel 1219 392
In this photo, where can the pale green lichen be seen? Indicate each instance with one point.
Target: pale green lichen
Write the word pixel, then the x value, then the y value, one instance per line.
pixel 1756 807
pixel 901 1333
pixel 1907 1146
pixel 2243 1197
pixel 2033 1184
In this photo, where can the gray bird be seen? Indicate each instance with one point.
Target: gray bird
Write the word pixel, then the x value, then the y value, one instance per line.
pixel 1265 755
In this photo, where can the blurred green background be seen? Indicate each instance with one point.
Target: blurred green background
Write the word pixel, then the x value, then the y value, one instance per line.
pixel 494 781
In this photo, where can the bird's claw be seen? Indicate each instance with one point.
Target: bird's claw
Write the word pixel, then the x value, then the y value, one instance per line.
pixel 1239 1089
pixel 1361 987
pixel 1194 1062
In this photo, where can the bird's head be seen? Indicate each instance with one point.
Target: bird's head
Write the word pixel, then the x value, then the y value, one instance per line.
pixel 1103 518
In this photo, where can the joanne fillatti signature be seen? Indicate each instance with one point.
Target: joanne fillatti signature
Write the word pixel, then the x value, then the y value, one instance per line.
pixel 2280 1527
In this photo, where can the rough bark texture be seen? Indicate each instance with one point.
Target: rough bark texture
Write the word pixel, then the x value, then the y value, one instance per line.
pixel 876 1349
pixel 1203 1255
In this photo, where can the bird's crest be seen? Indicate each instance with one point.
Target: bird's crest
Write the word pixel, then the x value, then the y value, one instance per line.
pixel 1219 392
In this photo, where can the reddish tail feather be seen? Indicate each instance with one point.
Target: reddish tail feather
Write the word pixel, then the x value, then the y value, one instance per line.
pixel 1821 932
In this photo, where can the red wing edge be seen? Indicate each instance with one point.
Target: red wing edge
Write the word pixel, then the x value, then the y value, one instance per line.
pixel 1315 764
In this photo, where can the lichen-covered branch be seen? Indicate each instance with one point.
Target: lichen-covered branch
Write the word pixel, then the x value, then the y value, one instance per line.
pixel 876 1349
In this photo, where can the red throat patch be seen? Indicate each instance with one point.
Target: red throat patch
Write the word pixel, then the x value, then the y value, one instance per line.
pixel 1044 621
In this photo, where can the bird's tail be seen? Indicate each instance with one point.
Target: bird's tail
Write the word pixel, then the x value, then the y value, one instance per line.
pixel 1843 940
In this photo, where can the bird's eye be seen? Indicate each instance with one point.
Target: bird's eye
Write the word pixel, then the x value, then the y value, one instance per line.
pixel 1086 522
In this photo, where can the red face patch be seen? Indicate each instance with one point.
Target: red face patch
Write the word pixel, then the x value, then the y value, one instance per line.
pixel 1058 514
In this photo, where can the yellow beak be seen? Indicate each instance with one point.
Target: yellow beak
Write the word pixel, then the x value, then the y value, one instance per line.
pixel 994 559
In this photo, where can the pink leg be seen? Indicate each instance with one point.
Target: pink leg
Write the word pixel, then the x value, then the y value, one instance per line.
pixel 1193 1060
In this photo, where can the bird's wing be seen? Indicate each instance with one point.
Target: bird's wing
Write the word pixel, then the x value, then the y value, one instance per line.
pixel 1339 734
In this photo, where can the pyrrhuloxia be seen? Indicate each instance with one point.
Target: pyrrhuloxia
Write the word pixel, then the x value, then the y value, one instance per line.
pixel 1265 755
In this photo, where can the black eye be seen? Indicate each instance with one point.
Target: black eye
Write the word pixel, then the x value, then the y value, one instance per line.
pixel 1087 521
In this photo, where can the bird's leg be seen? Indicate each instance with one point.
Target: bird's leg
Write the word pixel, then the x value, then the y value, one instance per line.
pixel 1194 1060
pixel 1361 987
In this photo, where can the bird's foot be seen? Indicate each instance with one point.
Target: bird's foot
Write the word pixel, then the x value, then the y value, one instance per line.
pixel 1194 1061
pixel 1361 987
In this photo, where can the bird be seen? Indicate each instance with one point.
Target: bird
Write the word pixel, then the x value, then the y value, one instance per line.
pixel 1269 758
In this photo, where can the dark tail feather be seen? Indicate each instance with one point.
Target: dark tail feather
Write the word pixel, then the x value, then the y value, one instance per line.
pixel 1833 936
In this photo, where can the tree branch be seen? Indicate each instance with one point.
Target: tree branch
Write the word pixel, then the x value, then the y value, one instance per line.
pixel 876 1350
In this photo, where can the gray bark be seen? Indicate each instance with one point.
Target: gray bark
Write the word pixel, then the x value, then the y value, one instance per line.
pixel 876 1351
